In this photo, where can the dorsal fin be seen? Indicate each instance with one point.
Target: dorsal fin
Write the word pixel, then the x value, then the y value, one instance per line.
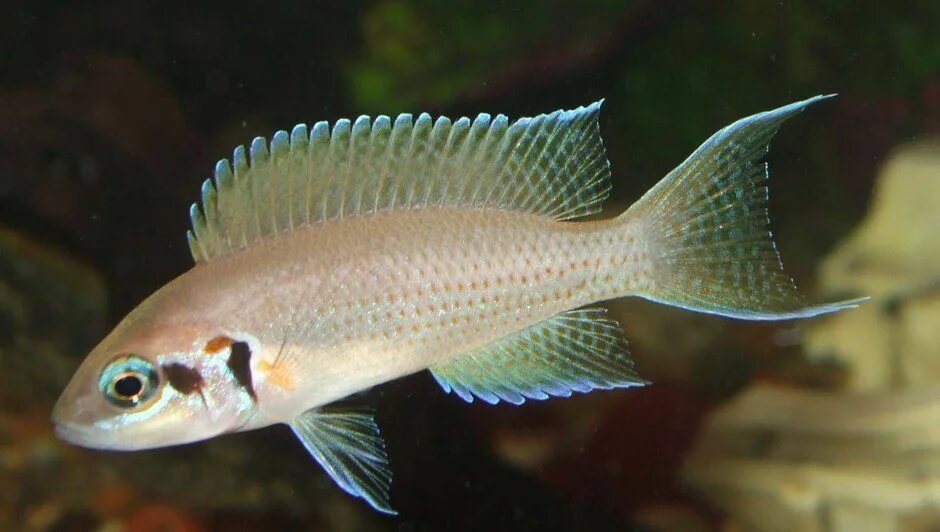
pixel 554 165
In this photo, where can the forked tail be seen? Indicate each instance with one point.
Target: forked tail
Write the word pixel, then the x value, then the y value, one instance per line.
pixel 705 230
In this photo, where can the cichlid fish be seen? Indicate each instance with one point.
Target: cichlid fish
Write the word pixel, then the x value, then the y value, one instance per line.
pixel 333 260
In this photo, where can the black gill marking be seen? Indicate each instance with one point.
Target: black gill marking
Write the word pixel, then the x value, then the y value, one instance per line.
pixel 239 363
pixel 184 379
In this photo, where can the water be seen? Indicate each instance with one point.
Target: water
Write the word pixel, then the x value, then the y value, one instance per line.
pixel 112 113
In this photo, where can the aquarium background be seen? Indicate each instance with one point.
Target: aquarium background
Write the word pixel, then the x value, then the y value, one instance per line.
pixel 113 112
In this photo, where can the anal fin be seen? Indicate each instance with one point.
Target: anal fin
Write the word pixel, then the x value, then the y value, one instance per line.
pixel 347 443
pixel 578 350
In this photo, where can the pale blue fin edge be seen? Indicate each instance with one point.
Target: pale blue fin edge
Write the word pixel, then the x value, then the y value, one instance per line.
pixel 347 444
pixel 575 351
pixel 551 164
pixel 707 226
pixel 796 314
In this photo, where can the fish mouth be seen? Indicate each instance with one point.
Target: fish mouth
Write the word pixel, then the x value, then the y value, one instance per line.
pixel 76 433
pixel 80 435
pixel 71 433
pixel 87 437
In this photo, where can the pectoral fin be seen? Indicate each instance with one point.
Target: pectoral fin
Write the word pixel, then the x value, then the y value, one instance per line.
pixel 346 442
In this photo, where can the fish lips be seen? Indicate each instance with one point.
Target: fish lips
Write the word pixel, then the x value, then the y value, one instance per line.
pixel 79 433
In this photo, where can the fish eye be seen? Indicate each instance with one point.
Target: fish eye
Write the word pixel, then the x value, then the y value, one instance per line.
pixel 128 385
pixel 128 381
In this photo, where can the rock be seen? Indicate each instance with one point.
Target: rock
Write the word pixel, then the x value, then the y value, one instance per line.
pixel 894 257
pixel 50 306
pixel 864 455
pixel 787 459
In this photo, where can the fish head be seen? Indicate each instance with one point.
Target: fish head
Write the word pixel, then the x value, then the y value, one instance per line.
pixel 156 380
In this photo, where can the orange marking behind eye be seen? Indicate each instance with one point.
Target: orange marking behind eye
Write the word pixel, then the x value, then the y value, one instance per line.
pixel 217 344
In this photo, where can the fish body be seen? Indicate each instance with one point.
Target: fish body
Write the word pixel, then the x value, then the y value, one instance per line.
pixel 365 300
pixel 344 259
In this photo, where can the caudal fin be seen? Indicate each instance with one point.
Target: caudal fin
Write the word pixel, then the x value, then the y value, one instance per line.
pixel 706 231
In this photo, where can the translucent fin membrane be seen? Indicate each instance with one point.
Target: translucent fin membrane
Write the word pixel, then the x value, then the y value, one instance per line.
pixel 346 442
pixel 554 165
pixel 707 228
pixel 576 351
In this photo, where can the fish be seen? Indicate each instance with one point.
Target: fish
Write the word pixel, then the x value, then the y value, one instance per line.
pixel 334 259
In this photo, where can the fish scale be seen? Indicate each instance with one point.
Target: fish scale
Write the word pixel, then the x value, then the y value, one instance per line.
pixel 424 288
pixel 333 259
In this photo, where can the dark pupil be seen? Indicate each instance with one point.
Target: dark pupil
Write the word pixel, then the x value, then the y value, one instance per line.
pixel 128 386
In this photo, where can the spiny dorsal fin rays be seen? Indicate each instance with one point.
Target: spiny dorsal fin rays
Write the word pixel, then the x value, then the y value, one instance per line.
pixel 553 165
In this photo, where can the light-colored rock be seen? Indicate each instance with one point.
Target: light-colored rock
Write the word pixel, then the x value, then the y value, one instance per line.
pixel 894 257
pixel 787 459
pixel 865 457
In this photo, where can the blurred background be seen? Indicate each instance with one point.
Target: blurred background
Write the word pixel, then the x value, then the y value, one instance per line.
pixel 113 112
